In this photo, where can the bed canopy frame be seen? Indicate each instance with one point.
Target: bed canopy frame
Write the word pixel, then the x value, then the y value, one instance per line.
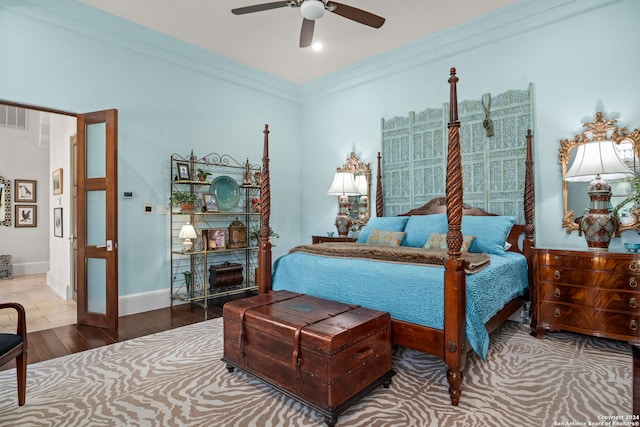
pixel 450 343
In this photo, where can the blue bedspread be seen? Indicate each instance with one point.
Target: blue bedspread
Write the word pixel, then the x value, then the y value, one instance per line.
pixel 413 293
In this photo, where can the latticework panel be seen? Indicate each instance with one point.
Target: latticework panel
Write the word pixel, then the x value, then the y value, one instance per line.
pixel 414 155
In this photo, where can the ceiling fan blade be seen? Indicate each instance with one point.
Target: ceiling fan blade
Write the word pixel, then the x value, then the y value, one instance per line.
pixel 306 33
pixel 356 14
pixel 259 7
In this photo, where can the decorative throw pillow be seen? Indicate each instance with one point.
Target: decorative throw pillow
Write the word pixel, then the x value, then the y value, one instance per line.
pixel 439 241
pixel 491 232
pixel 385 238
pixel 419 227
pixel 387 223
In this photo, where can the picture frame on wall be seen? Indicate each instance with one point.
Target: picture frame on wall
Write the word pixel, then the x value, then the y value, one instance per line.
pixel 56 181
pixel 25 191
pixel 184 172
pixel 25 215
pixel 57 222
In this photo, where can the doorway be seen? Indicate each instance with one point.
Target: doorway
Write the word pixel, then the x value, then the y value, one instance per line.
pixel 88 195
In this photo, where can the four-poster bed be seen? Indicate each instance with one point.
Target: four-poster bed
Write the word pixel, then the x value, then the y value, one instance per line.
pixel 449 339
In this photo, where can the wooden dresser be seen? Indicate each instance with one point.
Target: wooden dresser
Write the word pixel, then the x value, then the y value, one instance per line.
pixel 589 292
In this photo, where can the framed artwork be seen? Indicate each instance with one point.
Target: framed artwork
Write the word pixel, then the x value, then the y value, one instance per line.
pixel 183 171
pixel 25 215
pixel 214 238
pixel 25 191
pixel 210 203
pixel 57 222
pixel 56 178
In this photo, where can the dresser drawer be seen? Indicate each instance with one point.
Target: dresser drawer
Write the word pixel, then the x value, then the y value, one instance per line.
pixel 559 293
pixel 612 323
pixel 590 278
pixel 560 315
pixel 621 263
pixel 612 300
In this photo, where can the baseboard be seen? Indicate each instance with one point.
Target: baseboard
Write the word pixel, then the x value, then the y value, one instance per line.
pixel 144 301
pixel 26 268
pixel 61 289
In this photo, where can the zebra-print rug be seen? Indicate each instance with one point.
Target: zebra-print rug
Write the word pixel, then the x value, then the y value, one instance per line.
pixel 176 378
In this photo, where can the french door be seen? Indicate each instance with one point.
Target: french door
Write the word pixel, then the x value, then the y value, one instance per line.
pixel 96 219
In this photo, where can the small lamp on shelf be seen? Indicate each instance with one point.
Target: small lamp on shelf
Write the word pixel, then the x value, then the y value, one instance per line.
pixel 594 162
pixel 187 232
pixel 343 186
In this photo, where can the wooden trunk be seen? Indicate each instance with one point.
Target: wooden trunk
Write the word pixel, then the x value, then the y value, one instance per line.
pixel 323 353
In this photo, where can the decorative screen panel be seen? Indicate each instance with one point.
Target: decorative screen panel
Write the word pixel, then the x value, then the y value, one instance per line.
pixel 414 155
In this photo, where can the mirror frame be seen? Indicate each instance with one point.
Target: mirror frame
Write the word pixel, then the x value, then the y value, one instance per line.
pixel 599 130
pixel 356 167
pixel 5 201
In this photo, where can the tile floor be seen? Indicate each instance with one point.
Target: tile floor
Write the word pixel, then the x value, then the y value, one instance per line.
pixel 45 309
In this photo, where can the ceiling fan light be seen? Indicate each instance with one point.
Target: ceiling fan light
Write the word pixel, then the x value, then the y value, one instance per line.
pixel 312 9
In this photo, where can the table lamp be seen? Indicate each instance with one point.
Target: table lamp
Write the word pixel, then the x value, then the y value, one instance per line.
pixel 343 186
pixel 187 232
pixel 594 162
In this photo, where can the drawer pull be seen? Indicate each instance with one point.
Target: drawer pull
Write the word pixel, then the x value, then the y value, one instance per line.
pixel 633 266
pixel 633 303
pixel 556 258
pixel 556 275
pixel 633 325
pixel 633 282
pixel 556 293
pixel 557 313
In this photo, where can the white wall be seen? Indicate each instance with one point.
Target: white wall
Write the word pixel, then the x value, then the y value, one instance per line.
pixel 59 274
pixel 24 156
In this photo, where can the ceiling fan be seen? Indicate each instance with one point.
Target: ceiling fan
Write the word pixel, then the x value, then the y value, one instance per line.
pixel 314 9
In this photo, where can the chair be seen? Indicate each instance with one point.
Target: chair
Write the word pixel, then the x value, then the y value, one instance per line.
pixel 14 346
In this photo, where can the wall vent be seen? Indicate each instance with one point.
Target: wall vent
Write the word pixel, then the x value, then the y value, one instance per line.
pixel 13 117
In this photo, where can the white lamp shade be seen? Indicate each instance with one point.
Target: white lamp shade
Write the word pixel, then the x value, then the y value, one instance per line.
pixel 343 184
pixel 187 232
pixel 361 185
pixel 312 9
pixel 597 158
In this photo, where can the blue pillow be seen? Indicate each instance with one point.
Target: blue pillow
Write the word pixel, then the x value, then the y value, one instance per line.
pixel 419 227
pixel 491 232
pixel 384 223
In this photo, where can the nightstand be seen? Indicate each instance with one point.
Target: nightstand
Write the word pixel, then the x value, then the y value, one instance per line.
pixel 327 239
pixel 589 292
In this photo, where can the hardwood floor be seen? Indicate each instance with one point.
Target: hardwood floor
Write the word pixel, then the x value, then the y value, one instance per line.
pixel 64 340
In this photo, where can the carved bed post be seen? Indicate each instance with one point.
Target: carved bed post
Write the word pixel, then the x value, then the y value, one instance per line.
pixel 454 276
pixel 379 201
pixel 529 204
pixel 264 245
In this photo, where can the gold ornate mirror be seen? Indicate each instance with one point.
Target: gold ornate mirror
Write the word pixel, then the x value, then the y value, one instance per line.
pixel 575 198
pixel 5 202
pixel 359 206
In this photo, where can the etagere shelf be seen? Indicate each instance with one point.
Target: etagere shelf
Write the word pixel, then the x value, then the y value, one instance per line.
pixel 223 258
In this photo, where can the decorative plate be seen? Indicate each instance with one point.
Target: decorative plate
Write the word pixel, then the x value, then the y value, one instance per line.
pixel 226 191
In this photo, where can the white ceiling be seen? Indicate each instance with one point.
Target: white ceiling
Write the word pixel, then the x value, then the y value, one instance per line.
pixel 268 40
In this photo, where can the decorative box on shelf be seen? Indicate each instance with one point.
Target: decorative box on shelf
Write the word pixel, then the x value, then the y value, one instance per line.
pixel 225 275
